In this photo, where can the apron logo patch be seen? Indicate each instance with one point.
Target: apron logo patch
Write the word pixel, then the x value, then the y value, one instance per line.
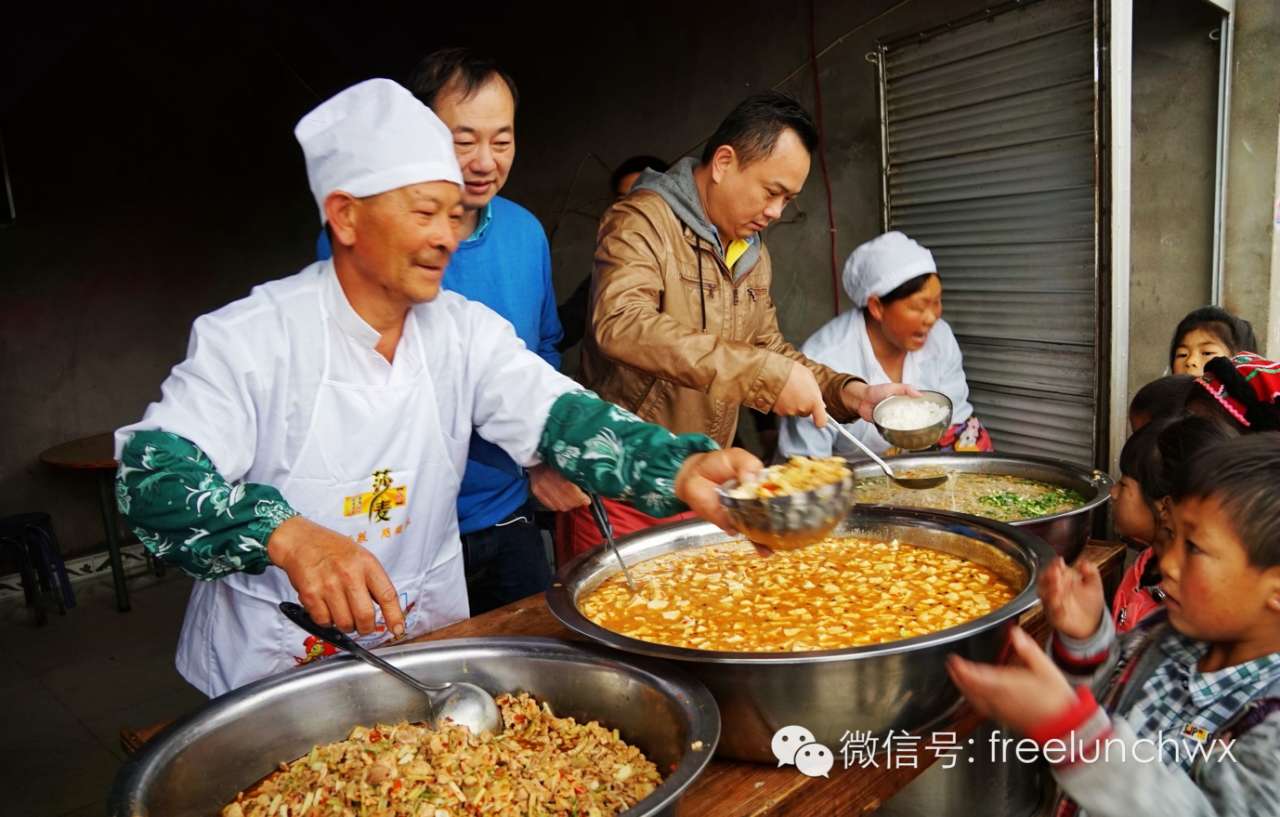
pixel 1197 733
pixel 315 649
pixel 377 504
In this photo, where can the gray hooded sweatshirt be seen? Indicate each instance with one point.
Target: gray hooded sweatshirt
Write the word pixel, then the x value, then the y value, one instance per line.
pixel 678 190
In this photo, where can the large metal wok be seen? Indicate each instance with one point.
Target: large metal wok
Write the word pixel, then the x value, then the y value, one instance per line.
pixel 874 689
pixel 1065 532
pixel 199 764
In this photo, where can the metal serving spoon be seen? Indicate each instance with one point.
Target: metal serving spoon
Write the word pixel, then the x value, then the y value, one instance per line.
pixel 606 530
pixel 465 704
pixel 905 482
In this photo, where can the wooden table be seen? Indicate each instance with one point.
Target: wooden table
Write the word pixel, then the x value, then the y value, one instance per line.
pixel 96 454
pixel 734 789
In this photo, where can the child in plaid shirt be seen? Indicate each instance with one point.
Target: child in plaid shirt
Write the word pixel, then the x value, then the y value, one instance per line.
pixel 1187 715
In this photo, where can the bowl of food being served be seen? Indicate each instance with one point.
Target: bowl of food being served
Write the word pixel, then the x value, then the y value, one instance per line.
pixel 913 423
pixel 793 504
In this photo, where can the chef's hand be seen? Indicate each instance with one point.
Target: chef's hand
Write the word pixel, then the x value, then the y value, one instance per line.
pixel 1023 694
pixel 1073 597
pixel 861 399
pixel 337 580
pixel 554 491
pixel 700 474
pixel 801 396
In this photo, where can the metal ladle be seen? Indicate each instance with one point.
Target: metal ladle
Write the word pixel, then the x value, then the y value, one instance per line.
pixel 606 530
pixel 465 704
pixel 919 483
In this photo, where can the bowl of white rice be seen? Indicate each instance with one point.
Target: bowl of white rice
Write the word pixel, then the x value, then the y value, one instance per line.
pixel 913 423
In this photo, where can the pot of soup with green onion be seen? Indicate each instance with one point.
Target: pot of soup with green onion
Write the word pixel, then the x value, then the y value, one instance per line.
pixel 1052 499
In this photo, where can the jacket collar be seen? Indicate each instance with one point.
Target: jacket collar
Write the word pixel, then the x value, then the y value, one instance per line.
pixel 745 263
pixel 343 313
pixel 483 220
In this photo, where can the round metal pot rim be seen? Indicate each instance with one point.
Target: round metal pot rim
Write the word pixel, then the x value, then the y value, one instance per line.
pixel 698 708
pixel 1101 480
pixel 566 611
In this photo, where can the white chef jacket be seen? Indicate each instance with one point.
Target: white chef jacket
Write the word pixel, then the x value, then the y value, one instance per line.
pixel 274 391
pixel 843 344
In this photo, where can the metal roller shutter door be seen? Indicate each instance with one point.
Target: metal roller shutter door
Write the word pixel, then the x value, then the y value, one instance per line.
pixel 991 162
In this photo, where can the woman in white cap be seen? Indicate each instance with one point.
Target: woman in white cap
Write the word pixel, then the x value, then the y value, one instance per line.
pixel 894 334
pixel 311 446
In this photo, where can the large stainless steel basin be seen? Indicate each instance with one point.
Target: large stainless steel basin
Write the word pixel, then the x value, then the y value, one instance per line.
pixel 199 764
pixel 874 689
pixel 1065 532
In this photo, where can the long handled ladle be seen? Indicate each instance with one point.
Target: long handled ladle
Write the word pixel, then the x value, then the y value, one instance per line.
pixel 905 482
pixel 606 530
pixel 465 704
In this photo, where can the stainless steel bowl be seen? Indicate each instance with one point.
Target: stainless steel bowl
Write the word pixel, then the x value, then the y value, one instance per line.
pixel 199 764
pixel 793 520
pixel 875 689
pixel 913 439
pixel 1065 532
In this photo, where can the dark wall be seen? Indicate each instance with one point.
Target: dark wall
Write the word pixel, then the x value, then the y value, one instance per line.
pixel 156 175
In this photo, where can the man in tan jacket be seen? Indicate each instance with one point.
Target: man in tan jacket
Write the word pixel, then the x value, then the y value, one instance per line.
pixel 683 328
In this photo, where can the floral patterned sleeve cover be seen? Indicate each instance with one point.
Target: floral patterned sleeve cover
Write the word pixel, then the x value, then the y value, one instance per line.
pixel 183 511
pixel 606 449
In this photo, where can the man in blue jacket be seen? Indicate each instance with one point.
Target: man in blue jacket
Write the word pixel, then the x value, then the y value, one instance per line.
pixel 503 262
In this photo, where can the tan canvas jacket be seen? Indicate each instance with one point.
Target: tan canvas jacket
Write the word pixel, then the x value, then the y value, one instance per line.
pixel 646 348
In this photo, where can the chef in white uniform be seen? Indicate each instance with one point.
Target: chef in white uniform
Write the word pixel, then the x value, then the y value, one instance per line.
pixel 894 334
pixel 311 445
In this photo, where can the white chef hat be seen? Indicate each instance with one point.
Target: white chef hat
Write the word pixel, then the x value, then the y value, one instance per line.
pixel 883 264
pixel 373 137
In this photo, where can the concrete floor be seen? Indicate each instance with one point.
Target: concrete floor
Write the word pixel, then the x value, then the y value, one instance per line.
pixel 70 686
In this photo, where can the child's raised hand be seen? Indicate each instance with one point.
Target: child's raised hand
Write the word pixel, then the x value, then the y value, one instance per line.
pixel 1073 598
pixel 1024 694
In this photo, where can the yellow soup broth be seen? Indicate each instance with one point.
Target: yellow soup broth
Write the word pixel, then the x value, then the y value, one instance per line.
pixel 841 592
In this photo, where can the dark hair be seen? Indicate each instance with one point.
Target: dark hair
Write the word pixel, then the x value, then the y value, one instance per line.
pixel 1156 455
pixel 1162 397
pixel 441 69
pixel 907 288
pixel 1235 333
pixel 1182 440
pixel 1201 403
pixel 636 164
pixel 752 128
pixel 1140 461
pixel 1242 475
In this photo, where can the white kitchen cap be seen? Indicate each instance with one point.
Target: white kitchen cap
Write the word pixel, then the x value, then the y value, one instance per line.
pixel 883 264
pixel 373 137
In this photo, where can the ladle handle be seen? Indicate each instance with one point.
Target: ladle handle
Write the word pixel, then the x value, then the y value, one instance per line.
pixel 606 530
pixel 601 516
pixel 298 615
pixel 851 438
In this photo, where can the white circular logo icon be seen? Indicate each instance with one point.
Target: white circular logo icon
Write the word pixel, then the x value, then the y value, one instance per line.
pixel 814 760
pixel 787 740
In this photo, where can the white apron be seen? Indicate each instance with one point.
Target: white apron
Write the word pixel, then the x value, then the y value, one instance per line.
pixel 375 465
